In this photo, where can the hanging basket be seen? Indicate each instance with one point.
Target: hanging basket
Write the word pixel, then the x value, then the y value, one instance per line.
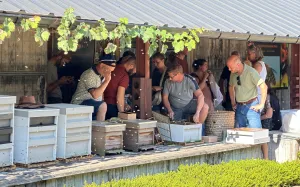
pixel 219 121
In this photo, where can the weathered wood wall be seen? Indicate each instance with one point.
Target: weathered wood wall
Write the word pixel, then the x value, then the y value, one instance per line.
pixel 216 51
pixel 23 66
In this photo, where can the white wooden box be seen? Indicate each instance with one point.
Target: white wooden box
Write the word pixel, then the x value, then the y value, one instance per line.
pixel 290 121
pixel 6 125
pixel 35 135
pixel 180 133
pixel 247 136
pixel 74 130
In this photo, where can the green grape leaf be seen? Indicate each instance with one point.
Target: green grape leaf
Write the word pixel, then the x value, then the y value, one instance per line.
pixel 122 43
pixel 152 48
pixel 45 35
pixel 128 42
pixel 123 21
pixel 190 45
pixel 164 48
pixel 178 46
pixel 110 48
pixel 25 25
pixel 73 44
pixel 177 36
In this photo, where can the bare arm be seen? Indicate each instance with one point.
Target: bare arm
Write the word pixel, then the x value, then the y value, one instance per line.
pixel 264 90
pixel 202 83
pixel 258 67
pixel 98 92
pixel 268 114
pixel 200 100
pixel 166 102
pixel 63 80
pixel 121 98
pixel 52 86
pixel 232 96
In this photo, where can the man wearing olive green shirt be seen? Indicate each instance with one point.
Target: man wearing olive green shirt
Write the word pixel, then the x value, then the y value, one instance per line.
pixel 243 84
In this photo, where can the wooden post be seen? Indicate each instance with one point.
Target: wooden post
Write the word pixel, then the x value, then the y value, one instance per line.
pixel 141 89
pixel 147 61
pixel 295 77
pixel 140 57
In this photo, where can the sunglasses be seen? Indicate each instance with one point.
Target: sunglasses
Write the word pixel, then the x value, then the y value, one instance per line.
pixel 238 80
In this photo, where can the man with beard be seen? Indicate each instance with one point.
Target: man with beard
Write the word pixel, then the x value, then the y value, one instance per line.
pixel 114 94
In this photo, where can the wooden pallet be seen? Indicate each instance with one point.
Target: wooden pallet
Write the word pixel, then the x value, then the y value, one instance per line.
pixel 37 165
pixel 114 152
pixel 7 168
pixel 77 158
pixel 184 143
pixel 146 147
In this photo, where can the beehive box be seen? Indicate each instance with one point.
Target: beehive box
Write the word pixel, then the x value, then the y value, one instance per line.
pixel 35 135
pixel 180 133
pixel 6 130
pixel 107 136
pixel 139 134
pixel 247 136
pixel 74 130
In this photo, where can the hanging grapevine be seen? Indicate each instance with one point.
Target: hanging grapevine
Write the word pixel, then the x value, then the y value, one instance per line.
pixel 41 34
pixel 6 29
pixel 69 38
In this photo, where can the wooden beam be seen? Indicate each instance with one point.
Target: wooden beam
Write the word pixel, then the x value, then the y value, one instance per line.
pixel 147 61
pixel 140 57
pixel 295 73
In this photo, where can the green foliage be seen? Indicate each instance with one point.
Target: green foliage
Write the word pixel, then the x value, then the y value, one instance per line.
pixel 41 35
pixel 6 29
pixel 69 35
pixel 31 23
pixel 243 173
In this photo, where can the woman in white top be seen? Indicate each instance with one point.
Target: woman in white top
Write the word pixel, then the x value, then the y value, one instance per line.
pixel 255 56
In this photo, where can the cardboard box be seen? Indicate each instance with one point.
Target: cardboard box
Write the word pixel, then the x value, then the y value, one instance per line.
pixel 127 115
pixel 210 139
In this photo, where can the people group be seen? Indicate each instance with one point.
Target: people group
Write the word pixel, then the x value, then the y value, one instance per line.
pixel 242 88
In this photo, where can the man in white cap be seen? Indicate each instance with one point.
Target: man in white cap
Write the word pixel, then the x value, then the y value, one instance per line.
pixel 92 85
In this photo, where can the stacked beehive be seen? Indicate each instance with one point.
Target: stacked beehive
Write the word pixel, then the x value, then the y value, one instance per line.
pixel 74 130
pixel 107 137
pixel 35 135
pixel 6 130
pixel 139 134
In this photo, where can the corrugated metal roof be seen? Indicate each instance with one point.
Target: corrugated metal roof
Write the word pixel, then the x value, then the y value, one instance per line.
pixel 280 17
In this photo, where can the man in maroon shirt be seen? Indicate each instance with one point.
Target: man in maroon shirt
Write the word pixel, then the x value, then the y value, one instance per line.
pixel 114 94
pixel 181 60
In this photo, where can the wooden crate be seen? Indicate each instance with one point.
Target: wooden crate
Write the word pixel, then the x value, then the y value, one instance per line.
pixel 6 130
pixel 35 135
pixel 139 134
pixel 180 133
pixel 248 136
pixel 126 115
pixel 74 130
pixel 106 137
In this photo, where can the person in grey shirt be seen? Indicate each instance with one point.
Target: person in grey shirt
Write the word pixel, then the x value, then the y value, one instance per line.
pixel 53 87
pixel 178 95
